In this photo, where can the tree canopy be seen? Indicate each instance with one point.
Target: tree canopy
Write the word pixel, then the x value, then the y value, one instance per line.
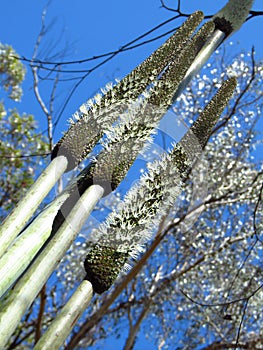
pixel 20 141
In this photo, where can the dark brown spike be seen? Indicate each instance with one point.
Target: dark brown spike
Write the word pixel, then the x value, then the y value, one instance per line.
pixel 103 269
pixel 207 119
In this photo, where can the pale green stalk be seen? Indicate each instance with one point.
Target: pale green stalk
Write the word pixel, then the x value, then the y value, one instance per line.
pixel 28 287
pixel 17 258
pixel 61 327
pixel 15 222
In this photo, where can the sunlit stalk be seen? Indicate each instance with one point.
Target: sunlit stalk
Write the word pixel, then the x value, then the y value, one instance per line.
pixel 61 327
pixel 28 287
pixel 15 222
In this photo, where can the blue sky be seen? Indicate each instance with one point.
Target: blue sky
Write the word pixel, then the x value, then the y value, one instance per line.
pixel 90 28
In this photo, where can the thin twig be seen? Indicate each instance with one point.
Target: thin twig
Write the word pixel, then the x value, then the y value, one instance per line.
pixel 43 298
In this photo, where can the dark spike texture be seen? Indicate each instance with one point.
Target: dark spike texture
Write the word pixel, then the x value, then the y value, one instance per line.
pixel 82 136
pixel 114 162
pixel 127 229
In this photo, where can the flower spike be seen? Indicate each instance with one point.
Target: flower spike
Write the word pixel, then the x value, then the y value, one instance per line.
pixel 121 237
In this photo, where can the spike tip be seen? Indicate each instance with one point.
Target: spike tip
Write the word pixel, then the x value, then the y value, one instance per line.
pixel 231 17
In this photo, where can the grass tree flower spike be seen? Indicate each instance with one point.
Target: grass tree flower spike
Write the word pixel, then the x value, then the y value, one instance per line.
pixel 121 237
pixel 140 119
pixel 98 114
pixel 134 128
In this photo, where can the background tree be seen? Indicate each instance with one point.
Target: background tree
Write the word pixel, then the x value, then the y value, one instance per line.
pixel 202 287
pixel 20 139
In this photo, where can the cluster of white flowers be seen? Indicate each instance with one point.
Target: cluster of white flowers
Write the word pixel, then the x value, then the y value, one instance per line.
pixel 14 72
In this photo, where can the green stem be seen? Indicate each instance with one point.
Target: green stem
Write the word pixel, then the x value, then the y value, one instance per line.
pixel 14 262
pixel 15 222
pixel 28 287
pixel 61 327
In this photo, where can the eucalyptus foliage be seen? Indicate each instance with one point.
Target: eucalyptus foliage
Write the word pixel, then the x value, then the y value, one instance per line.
pixel 20 141
pixel 12 72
